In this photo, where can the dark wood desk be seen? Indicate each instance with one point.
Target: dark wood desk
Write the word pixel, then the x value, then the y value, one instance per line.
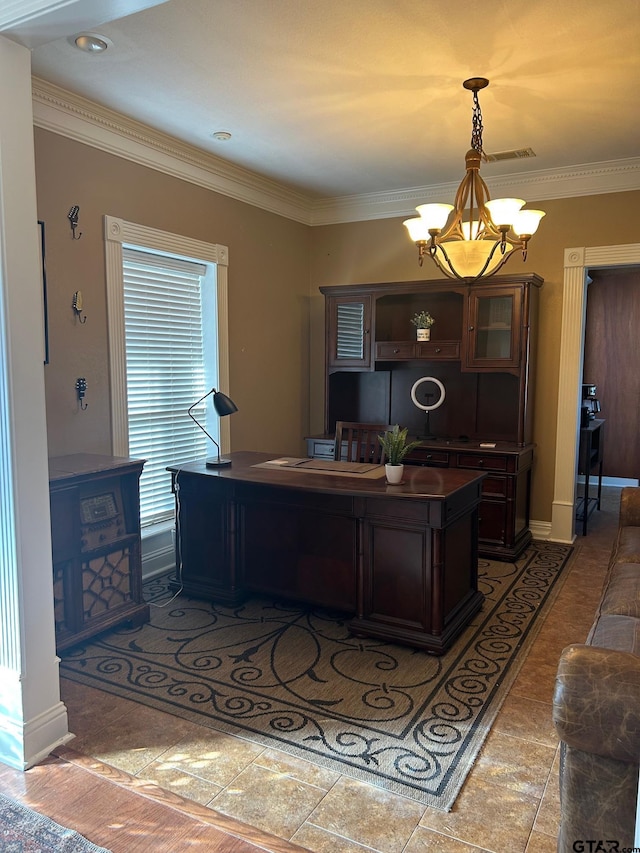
pixel 590 456
pixel 403 560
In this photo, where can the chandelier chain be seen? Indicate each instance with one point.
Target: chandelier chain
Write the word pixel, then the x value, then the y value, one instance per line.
pixel 476 131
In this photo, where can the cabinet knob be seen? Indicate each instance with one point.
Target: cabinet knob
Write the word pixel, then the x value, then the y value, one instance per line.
pixel 480 461
pixel 471 328
pixel 438 349
pixel 396 350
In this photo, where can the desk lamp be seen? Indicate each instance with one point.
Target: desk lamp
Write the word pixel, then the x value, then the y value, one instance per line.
pixel 223 406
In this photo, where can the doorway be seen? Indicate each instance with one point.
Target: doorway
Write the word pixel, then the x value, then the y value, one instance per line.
pixel 576 263
pixel 611 364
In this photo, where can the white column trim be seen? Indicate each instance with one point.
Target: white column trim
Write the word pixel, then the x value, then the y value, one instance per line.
pixel 33 720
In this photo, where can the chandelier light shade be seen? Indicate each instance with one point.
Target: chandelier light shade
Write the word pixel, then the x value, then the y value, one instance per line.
pixel 482 234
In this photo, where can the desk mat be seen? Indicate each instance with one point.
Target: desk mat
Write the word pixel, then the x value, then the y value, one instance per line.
pixel 324 466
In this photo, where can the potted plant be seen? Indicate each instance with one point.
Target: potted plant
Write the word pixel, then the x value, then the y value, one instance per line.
pixel 423 321
pixel 395 445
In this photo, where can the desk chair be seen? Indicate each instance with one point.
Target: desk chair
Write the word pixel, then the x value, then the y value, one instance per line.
pixel 359 442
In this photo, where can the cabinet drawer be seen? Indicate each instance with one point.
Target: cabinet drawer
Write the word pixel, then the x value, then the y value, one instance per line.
pixel 496 487
pixel 398 350
pixel 426 456
pixel 439 350
pixel 486 463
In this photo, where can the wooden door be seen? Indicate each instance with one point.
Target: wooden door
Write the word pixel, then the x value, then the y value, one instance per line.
pixel 612 363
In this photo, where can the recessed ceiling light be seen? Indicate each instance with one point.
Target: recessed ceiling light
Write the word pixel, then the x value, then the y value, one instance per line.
pixel 221 135
pixel 91 42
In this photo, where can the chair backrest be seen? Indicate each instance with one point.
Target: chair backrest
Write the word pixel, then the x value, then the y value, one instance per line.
pixel 359 442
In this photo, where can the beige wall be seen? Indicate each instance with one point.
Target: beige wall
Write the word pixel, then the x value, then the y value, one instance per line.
pixel 380 250
pixel 276 312
pixel 268 294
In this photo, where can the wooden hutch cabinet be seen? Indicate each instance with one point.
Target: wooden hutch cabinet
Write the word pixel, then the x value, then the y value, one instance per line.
pixel 95 537
pixel 482 350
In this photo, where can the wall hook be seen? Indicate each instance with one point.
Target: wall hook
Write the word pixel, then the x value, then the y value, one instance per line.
pixel 77 306
pixel 72 216
pixel 81 389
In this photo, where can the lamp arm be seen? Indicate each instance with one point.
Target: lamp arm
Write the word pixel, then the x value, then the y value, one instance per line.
pixel 197 422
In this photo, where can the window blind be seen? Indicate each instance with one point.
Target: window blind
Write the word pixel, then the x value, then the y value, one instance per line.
pixel 165 365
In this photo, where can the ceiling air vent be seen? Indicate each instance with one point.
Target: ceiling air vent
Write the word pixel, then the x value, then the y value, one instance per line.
pixel 516 154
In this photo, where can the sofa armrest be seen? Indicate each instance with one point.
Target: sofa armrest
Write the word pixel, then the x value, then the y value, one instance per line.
pixel 596 702
pixel 630 506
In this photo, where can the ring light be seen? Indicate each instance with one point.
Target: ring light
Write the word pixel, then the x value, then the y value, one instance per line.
pixel 428 408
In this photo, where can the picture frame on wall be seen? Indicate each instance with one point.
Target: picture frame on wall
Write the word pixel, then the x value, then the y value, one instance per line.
pixel 43 272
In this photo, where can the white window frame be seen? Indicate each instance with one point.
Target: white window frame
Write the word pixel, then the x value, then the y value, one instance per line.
pixel 116 233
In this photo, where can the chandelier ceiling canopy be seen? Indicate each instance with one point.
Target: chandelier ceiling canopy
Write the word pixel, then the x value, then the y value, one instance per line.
pixel 482 234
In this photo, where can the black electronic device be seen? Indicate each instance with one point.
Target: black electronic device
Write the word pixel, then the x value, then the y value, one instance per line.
pixel 590 403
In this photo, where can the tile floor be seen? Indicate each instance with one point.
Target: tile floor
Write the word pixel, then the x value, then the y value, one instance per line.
pixel 508 803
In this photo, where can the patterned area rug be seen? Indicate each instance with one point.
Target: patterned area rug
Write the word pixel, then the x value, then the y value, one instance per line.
pixel 24 831
pixel 293 678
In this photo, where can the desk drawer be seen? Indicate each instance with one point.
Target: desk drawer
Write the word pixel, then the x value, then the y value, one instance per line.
pixel 392 350
pixel 426 456
pixel 489 462
pixel 439 350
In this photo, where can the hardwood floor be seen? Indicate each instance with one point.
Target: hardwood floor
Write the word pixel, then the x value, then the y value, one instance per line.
pixel 115 810
pixel 137 781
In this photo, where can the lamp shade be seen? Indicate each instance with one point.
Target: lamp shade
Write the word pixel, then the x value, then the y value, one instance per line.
pixel 527 221
pixel 503 211
pixel 417 228
pixel 223 405
pixel 469 257
pixel 434 215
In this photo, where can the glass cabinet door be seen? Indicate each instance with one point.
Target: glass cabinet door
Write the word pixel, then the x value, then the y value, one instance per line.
pixel 349 326
pixel 493 331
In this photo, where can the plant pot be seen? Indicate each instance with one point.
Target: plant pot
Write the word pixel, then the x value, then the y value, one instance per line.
pixel 394 473
pixel 424 334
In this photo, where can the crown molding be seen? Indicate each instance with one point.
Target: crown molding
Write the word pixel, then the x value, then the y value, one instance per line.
pixel 612 176
pixel 70 115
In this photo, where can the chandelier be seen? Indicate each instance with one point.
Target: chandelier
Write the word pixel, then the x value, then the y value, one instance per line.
pixel 482 234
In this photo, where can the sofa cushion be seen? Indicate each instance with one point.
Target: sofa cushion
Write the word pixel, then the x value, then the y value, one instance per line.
pixel 628 546
pixel 616 632
pixel 622 593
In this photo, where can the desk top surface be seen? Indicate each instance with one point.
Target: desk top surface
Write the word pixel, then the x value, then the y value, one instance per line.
pixel 419 483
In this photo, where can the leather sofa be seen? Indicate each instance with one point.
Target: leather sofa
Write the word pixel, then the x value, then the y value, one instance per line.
pixel 596 706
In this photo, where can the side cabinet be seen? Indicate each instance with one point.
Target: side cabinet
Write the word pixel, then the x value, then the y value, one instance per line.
pixel 95 537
